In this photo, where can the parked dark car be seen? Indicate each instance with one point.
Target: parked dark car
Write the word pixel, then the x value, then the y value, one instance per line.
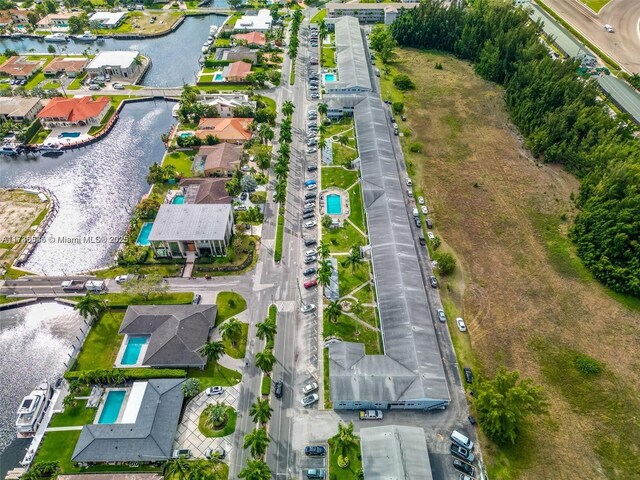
pixel 307 216
pixel 308 210
pixel 315 451
pixel 433 281
pixel 312 168
pixel 463 467
pixel 308 242
pixel 462 453
pixel 471 419
pixel 468 376
pixel 309 271
pixel 277 389
pixel 310 195
pixel 423 242
pixel 243 196
pixel 417 220
pixel 429 223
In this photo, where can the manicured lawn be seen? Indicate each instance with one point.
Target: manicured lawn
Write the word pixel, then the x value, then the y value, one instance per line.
pixel 229 305
pixel 77 82
pixel 342 239
pixel 123 300
pixel 105 120
pixel 35 81
pixel 258 197
pixel 5 299
pixel 163 269
pixel 182 161
pixel 349 473
pixel 595 5
pixel 328 58
pixel 369 315
pixel 348 280
pixel 228 428
pixel 357 215
pixel 214 374
pixel 338 177
pixel 58 447
pixel 78 415
pixel 344 126
pixel 269 103
pixel 319 16
pixel 342 154
pixel 101 346
pixel 277 253
pixel 241 347
pixel 265 389
pixel 52 85
pixel 346 328
pixel 365 294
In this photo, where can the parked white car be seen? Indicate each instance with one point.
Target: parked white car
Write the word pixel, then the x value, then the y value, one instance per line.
pixel 421 200
pixel 424 209
pixel 308 308
pixel 211 391
pixel 461 325
pixel 310 224
pixel 310 387
pixel 430 235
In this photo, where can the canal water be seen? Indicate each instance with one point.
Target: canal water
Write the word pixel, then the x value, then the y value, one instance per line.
pixel 34 345
pixel 97 188
pixel 174 57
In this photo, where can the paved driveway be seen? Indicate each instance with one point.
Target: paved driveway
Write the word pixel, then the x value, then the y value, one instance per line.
pixel 189 435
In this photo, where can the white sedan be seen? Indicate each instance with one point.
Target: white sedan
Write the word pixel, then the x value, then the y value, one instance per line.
pixel 211 391
pixel 461 326
pixel 421 200
pixel 310 387
pixel 430 235
pixel 424 209
pixel 310 224
pixel 308 308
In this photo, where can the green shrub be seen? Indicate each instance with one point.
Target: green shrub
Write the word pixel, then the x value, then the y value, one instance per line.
pixel 587 365
pixel 266 385
pixel 416 147
pixel 403 82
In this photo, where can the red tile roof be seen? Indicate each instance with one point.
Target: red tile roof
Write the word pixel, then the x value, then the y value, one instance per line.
pixel 239 69
pixel 255 38
pixel 19 66
pixel 74 109
pixel 225 128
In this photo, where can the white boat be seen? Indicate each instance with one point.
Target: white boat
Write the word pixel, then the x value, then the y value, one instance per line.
pixel 210 38
pixel 87 36
pixel 207 43
pixel 205 49
pixel 9 149
pixel 174 110
pixel 32 409
pixel 16 35
pixel 56 38
pixel 213 29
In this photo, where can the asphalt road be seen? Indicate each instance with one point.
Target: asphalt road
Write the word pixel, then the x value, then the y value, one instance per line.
pixel 623 15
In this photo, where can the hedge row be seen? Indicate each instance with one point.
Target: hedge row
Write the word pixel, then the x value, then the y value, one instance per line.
pixel 131 373
pixel 277 254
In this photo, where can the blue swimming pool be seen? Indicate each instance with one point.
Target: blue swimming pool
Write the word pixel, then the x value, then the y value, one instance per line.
pixel 132 350
pixel 69 135
pixel 178 199
pixel 218 77
pixel 143 238
pixel 186 134
pixel 329 77
pixel 112 405
pixel 334 204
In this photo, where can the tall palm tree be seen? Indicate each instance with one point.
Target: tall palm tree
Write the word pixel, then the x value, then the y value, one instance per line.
pixel 343 140
pixel 281 171
pixel 90 306
pixel 201 470
pixel 324 273
pixel 288 108
pixel 353 259
pixel 169 171
pixel 265 134
pixel 322 129
pixel 215 414
pixel 257 441
pixel 213 351
pixel 177 469
pixel 324 251
pixel 333 311
pixel 266 330
pixel 255 470
pixel 323 108
pixel 322 143
pixel 263 160
pixel 231 330
pixel 265 360
pixel 261 411
pixel 280 194
pixel 345 439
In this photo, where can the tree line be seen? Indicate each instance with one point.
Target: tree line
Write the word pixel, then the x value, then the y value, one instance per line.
pixel 560 117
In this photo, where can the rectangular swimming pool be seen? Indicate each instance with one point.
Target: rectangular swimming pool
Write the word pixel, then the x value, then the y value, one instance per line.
pixel 178 200
pixel 143 237
pixel 334 204
pixel 132 350
pixel 329 77
pixel 112 405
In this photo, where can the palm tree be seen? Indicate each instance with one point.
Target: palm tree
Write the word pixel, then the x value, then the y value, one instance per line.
pixel 265 360
pixel 280 194
pixel 322 30
pixel 323 108
pixel 265 134
pixel 255 470
pixel 263 160
pixel 333 311
pixel 90 307
pixel 281 171
pixel 353 259
pixel 215 415
pixel 324 251
pixel 213 351
pixel 344 440
pixel 343 140
pixel 324 273
pixel 288 108
pixel 177 469
pixel 257 441
pixel 231 330
pixel 266 330
pixel 261 411
pixel 322 143
pixel 322 129
pixel 356 308
pixel 169 171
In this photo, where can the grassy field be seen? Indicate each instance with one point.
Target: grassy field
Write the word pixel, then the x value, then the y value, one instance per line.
pixel 229 304
pixel 328 57
pixel 350 330
pixel 214 374
pixel 338 177
pixel 595 5
pixel 100 348
pixel 228 428
pixel 78 415
pixel 355 464
pixel 340 240
pixel 19 211
pixel 528 302
pixel 239 350
pixel 182 161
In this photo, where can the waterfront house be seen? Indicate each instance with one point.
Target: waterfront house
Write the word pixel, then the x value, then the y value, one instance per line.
pixel 144 428
pixel 232 130
pixel 19 109
pixel 5 19
pixel 20 67
pixel 56 21
pixel 237 53
pixel 19 16
pixel 200 230
pixel 255 23
pixel 205 190
pixel 107 19
pixel 226 102
pixel 74 112
pixel 123 64
pixel 252 38
pixel 171 335
pixel 217 160
pixel 236 72
pixel 70 66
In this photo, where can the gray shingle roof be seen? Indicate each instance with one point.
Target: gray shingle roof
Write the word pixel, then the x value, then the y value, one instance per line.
pixel 353 66
pixel 176 222
pixel 177 332
pixel 394 452
pixel 412 367
pixel 150 438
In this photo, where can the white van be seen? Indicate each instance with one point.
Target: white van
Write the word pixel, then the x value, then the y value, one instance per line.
pixel 415 212
pixel 95 286
pixel 462 440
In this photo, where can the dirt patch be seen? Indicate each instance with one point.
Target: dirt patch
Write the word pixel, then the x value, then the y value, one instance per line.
pixel 506 216
pixel 18 210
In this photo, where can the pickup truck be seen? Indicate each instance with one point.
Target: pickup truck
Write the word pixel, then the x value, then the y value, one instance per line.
pixel 73 285
pixel 370 414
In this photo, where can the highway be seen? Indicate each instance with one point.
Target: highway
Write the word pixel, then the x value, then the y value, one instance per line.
pixel 623 15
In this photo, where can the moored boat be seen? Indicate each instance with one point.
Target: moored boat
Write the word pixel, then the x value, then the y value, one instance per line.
pixel 87 36
pixel 9 149
pixel 32 410
pixel 56 38
pixel 213 29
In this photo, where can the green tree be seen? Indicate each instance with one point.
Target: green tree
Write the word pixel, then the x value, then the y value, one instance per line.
pixel 323 108
pixel 231 330
pixel 333 311
pixel 403 82
pixel 148 207
pixel 280 195
pixel 177 469
pixel 343 442
pixel 266 330
pixel 191 387
pixel 436 242
pixel 51 49
pixel 257 441
pixel 288 108
pixel 255 470
pixel 69 401
pixel 354 259
pixel 398 107
pixel 382 41
pixel 324 273
pixel 504 403
pixel 261 411
pixel 156 174
pixel 446 263
pixel 147 287
pixel 215 415
pixel 235 3
pixel 45 469
pixel 324 250
pixel 213 351
pixel 90 306
pixel 265 360
pixel 327 221
pixel 263 161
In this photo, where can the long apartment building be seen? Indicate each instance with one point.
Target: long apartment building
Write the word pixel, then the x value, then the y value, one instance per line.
pixel 368 12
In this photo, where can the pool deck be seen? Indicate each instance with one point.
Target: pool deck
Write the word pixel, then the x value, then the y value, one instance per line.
pixel 123 347
pixel 96 419
pixel 344 198
pixel 53 136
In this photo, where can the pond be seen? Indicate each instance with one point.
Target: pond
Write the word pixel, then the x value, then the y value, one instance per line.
pixel 97 188
pixel 174 57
